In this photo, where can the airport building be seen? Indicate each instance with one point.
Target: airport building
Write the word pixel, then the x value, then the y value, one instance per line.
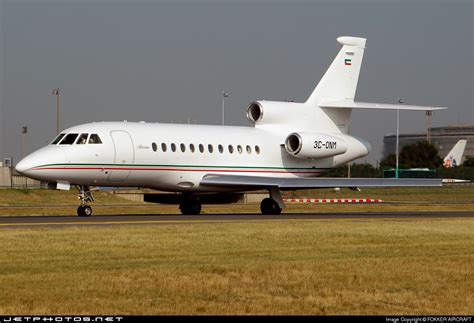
pixel 444 138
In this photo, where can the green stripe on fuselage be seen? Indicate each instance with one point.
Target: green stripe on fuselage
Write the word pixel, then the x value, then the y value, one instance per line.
pixel 185 166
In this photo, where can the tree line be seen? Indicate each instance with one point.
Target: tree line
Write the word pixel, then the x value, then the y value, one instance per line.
pixel 419 155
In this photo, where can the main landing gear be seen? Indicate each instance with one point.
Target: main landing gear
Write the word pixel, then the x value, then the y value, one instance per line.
pixel 190 205
pixel 272 205
pixel 85 195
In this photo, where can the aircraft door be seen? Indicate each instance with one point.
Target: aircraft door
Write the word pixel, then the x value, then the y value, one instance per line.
pixel 124 155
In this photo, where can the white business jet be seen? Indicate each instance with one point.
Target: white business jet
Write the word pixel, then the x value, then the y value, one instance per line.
pixel 289 145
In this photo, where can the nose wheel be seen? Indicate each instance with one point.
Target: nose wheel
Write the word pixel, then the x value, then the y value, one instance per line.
pixel 85 195
pixel 84 210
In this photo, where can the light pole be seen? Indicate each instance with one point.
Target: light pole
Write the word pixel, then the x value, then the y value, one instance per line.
pixel 401 101
pixel 224 95
pixel 56 92
pixel 429 115
pixel 24 131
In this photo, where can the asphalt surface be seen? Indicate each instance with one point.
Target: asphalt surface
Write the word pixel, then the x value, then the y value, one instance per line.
pixel 110 220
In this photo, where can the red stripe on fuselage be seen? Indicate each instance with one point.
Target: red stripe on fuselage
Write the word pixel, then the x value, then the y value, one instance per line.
pixel 181 170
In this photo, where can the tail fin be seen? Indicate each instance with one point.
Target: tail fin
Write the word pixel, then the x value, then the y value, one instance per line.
pixel 333 97
pixel 454 157
pixel 340 80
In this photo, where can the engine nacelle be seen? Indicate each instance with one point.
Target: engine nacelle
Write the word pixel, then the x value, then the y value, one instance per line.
pixel 314 145
pixel 275 112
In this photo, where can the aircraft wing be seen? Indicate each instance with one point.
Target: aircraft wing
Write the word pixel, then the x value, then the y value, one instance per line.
pixel 257 182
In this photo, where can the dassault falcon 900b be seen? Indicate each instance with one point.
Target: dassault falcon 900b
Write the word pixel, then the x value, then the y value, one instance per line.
pixel 289 145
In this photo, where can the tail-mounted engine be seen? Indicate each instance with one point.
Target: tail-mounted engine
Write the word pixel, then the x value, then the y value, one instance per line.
pixel 314 145
pixel 275 113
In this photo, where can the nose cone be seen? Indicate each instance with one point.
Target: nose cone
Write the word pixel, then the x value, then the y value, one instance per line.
pixel 25 164
pixel 30 165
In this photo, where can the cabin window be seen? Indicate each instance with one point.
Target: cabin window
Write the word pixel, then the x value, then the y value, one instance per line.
pixel 191 147
pixel 239 149
pixel 82 140
pixel 69 139
pixel 221 148
pixel 94 139
pixel 249 149
pixel 210 148
pixel 154 147
pixel 231 149
pixel 201 148
pixel 58 138
pixel 183 148
pixel 173 147
pixel 257 150
pixel 163 147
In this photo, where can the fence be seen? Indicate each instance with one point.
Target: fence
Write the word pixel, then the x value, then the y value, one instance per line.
pixel 10 180
pixel 20 181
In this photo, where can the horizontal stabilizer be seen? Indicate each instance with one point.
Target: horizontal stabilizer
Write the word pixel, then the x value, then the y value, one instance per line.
pixel 320 182
pixel 381 106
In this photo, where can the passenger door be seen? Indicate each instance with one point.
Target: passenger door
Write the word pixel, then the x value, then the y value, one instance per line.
pixel 124 156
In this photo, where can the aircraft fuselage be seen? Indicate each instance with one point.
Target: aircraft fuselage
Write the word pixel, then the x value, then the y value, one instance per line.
pixel 174 157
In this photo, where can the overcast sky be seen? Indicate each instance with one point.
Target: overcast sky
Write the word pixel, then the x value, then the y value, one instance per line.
pixel 169 61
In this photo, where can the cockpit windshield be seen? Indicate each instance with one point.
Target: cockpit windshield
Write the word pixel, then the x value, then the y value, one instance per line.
pixel 58 138
pixel 82 139
pixel 78 139
pixel 94 139
pixel 69 139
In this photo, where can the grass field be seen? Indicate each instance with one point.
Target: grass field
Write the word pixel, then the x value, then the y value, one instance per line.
pixel 416 266
pixel 370 266
pixel 52 202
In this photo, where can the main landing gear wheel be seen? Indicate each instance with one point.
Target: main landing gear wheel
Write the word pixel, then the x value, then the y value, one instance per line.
pixel 190 206
pixel 270 207
pixel 84 210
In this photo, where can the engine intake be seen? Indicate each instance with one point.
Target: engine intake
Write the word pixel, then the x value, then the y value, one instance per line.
pixel 254 112
pixel 314 145
pixel 293 144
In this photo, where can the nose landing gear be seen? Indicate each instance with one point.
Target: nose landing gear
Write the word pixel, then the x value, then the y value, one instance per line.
pixel 84 210
pixel 85 195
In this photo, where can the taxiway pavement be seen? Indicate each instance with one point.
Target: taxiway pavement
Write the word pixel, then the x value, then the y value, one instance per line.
pixel 151 219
